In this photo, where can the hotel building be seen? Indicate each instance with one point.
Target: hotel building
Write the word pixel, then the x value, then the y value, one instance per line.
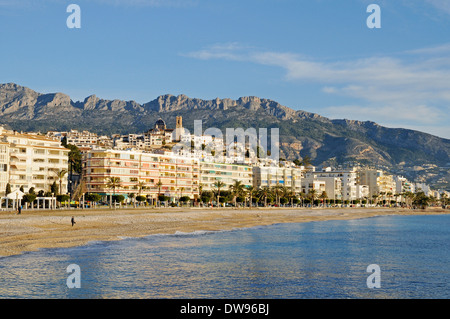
pixel 31 160
pixel 225 172
pixel 269 176
pixel 140 173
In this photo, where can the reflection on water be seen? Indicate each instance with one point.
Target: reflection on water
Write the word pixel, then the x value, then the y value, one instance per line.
pixel 309 260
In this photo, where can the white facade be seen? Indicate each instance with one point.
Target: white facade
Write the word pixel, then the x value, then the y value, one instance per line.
pixel 33 161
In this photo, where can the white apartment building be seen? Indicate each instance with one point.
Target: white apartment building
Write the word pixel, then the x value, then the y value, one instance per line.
pixel 4 166
pixel 310 183
pixel 377 180
pixel 269 176
pixel 402 185
pixel 31 160
pixel 349 181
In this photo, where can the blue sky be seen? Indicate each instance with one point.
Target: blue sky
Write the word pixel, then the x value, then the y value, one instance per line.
pixel 316 55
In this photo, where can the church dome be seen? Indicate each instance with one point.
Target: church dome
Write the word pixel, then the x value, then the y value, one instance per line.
pixel 160 124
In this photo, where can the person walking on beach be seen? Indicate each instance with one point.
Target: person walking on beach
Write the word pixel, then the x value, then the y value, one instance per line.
pixel 19 209
pixel 73 221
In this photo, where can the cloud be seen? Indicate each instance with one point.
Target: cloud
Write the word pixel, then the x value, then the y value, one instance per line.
pixel 413 87
pixel 442 5
pixel 393 113
pixel 375 79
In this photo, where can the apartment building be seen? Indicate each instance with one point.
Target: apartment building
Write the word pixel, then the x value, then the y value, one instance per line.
pixel 227 173
pixel 141 173
pixel 31 160
pixel 402 185
pixel 4 166
pixel 269 176
pixel 377 180
pixel 340 184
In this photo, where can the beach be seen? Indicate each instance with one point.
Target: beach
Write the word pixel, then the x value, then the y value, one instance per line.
pixel 33 230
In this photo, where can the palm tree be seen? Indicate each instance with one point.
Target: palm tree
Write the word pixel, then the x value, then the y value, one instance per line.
pixel 302 197
pixel 218 185
pixel 277 189
pixel 60 175
pixel 312 193
pixel 236 189
pixel 323 197
pixel 251 191
pixel 113 183
pixel 264 192
pixel 159 184
pixel 375 198
pixel 389 196
pixel 141 186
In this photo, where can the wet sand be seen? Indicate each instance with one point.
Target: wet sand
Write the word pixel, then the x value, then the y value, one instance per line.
pixel 33 230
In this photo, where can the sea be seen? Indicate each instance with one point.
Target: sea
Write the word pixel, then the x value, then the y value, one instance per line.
pixel 313 260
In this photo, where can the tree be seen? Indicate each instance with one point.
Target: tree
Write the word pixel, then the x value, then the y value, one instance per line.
pixel 141 186
pixel 264 193
pixel 62 198
pixel 312 194
pixel 54 188
pixel 206 196
pixel 306 161
pixel 297 162
pixel 237 190
pixel 163 198
pixel 22 189
pixel 60 175
pixel 74 158
pixel 8 189
pixel 218 185
pixel 277 189
pixel 251 191
pixel 93 197
pixel 323 196
pixel 113 183
pixel 421 200
pixel 132 196
pixel 185 199
pixel 28 198
pixel 159 184
pixel 118 198
pixel 141 198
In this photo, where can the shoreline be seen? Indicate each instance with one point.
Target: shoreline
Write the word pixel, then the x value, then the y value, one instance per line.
pixel 33 230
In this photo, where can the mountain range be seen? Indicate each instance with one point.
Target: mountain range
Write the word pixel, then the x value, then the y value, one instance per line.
pixel 326 141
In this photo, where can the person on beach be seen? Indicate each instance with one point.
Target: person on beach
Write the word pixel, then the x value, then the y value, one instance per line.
pixel 19 209
pixel 73 221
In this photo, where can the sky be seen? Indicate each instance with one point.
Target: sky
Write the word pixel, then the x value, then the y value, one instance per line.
pixel 318 56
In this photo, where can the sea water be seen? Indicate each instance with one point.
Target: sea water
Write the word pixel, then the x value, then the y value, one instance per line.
pixel 326 259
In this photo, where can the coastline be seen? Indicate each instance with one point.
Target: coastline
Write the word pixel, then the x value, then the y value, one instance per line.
pixel 33 230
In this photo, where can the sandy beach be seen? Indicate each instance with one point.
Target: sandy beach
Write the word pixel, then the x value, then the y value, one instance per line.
pixel 33 230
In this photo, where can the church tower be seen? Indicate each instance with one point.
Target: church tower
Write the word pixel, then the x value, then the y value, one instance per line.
pixel 179 128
